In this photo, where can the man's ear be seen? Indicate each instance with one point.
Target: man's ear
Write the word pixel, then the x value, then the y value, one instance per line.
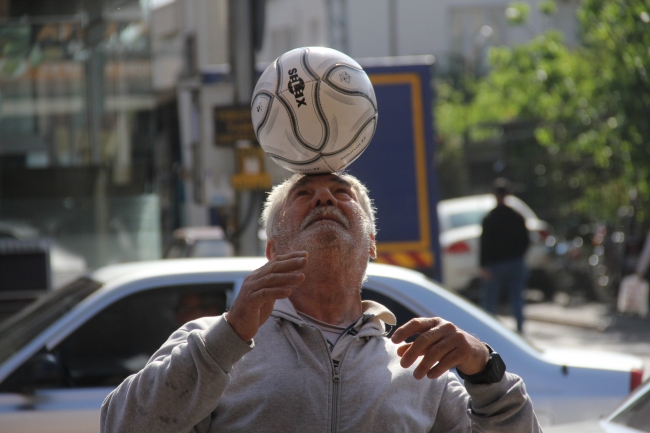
pixel 270 249
pixel 373 247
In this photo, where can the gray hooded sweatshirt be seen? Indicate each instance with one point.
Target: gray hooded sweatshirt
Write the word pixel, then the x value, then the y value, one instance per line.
pixel 206 379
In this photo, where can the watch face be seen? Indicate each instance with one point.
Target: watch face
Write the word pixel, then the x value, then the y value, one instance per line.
pixel 493 373
pixel 498 367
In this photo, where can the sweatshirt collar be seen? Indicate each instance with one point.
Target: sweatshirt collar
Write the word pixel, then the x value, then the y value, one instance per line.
pixel 372 322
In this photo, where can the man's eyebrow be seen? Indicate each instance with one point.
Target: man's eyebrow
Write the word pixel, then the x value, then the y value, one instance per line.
pixel 307 179
pixel 343 182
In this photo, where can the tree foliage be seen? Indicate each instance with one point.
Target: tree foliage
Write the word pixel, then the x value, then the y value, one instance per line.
pixel 589 108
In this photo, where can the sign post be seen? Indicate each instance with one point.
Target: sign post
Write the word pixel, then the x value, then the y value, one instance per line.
pixel 398 166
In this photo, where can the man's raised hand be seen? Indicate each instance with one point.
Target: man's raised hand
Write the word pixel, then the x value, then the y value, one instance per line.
pixel 439 342
pixel 261 289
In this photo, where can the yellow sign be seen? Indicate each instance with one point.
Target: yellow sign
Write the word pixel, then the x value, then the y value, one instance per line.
pixel 233 124
pixel 408 259
pixel 243 181
pixel 251 170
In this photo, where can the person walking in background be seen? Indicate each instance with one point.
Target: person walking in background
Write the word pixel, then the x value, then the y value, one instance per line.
pixel 644 259
pixel 504 242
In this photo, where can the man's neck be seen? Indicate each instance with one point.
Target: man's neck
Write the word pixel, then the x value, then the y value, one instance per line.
pixel 328 295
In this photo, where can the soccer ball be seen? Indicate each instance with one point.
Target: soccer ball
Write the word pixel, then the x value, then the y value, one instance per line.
pixel 314 110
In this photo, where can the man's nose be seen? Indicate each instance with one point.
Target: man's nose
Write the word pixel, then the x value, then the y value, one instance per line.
pixel 323 197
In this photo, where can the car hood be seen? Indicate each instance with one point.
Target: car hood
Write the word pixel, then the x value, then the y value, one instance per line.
pixel 581 427
pixel 593 359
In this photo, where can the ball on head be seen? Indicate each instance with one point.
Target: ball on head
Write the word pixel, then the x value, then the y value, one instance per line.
pixel 314 110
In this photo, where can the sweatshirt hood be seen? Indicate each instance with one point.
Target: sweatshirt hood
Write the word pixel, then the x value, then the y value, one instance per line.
pixel 372 322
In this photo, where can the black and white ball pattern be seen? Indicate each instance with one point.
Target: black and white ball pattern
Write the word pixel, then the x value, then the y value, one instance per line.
pixel 314 110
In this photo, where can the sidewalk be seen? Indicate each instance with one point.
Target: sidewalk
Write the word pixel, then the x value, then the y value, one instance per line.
pixel 591 326
pixel 591 315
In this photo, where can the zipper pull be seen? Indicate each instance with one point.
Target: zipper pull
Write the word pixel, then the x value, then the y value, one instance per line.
pixel 336 377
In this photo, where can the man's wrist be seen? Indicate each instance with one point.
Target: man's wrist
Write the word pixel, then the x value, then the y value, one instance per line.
pixel 247 341
pixel 493 372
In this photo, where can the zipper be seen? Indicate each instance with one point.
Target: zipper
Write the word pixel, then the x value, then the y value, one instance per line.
pixel 336 380
pixel 336 375
pixel 335 397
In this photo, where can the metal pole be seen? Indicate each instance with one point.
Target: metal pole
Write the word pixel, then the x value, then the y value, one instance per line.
pixel 338 25
pixel 241 54
pixel 242 57
pixel 392 26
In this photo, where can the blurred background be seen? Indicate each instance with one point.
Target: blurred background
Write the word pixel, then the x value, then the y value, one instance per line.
pixel 120 136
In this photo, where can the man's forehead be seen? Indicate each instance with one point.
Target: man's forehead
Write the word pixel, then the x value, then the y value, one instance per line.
pixel 315 178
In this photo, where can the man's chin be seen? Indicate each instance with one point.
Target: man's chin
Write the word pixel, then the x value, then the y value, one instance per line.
pixel 315 238
pixel 324 223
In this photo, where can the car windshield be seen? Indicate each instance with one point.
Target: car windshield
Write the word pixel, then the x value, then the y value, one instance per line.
pixel 18 330
pixel 636 415
pixel 467 218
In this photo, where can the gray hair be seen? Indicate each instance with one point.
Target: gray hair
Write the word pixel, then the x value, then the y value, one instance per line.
pixel 277 198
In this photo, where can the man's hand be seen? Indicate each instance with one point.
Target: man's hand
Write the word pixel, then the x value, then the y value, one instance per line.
pixel 442 345
pixel 261 289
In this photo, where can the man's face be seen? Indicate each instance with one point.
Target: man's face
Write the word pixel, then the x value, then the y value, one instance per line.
pixel 322 212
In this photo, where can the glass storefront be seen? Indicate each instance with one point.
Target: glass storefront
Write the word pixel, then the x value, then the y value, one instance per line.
pixel 81 141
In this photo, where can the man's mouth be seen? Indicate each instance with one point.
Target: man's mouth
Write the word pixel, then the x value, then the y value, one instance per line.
pixel 317 215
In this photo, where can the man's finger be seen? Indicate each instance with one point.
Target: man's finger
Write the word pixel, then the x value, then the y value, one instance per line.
pixel 283 267
pixel 289 264
pixel 402 349
pixel 292 254
pixel 421 346
pixel 448 362
pixel 277 280
pixel 414 326
pixel 433 355
pixel 270 294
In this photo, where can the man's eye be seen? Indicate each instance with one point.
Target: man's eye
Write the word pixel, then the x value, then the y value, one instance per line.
pixel 299 193
pixel 342 191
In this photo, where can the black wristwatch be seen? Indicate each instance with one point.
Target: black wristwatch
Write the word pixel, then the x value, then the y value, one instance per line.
pixel 493 373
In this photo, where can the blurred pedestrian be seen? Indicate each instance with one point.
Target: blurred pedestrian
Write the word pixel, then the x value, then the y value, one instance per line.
pixel 504 241
pixel 192 305
pixel 644 259
pixel 633 291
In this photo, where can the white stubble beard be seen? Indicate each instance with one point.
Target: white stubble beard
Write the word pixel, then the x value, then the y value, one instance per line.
pixel 333 244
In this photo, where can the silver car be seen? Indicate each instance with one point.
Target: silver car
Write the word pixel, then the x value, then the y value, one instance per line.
pixel 61 356
pixel 632 416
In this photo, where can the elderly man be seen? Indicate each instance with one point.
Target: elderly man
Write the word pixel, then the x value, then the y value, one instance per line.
pixel 299 351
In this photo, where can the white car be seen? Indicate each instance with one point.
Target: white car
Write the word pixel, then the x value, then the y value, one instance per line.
pixel 61 356
pixel 632 416
pixel 460 222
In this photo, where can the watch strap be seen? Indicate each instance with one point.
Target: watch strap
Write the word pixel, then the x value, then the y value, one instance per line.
pixel 494 370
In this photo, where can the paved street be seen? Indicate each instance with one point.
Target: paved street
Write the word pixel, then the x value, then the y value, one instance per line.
pixel 586 326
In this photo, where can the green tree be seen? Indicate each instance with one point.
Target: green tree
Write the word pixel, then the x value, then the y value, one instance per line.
pixel 588 110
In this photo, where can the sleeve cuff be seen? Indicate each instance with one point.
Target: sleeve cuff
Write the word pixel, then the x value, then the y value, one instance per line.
pixel 485 395
pixel 223 343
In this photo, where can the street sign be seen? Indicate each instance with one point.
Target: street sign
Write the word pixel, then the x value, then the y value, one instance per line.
pixel 233 124
pixel 397 167
pixel 251 173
